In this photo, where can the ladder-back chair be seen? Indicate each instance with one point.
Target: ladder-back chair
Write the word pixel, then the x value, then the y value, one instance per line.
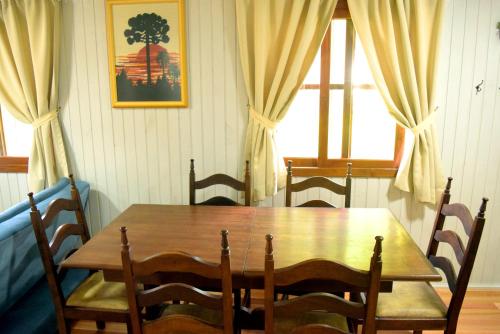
pixel 416 305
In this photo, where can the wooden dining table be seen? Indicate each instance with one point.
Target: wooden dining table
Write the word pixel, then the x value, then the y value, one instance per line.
pixel 343 235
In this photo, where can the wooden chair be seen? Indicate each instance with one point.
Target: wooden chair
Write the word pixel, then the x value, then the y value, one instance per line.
pixel 416 306
pixel 204 313
pixel 219 179
pixel 318 182
pixel 93 299
pixel 320 312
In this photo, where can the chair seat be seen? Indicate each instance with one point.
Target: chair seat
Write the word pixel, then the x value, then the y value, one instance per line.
pixel 288 323
pixel 411 300
pixel 94 292
pixel 209 316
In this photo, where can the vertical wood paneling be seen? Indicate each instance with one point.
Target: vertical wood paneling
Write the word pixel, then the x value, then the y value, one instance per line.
pixel 142 155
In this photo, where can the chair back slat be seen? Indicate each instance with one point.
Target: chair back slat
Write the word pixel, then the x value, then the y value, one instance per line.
pixel 318 182
pixel 135 272
pixel 179 291
pixel 460 211
pixel 322 270
pixel 446 266
pixel 55 207
pixel 64 231
pixel 321 302
pixel 219 179
pixel 176 262
pixel 451 237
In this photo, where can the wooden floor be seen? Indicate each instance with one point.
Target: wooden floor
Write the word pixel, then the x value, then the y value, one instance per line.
pixel 480 315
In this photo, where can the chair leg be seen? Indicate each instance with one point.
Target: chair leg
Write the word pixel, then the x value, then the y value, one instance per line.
pixel 100 324
pixel 247 298
pixel 237 311
pixel 63 326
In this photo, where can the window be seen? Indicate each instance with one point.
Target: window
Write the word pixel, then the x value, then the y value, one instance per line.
pixel 338 114
pixel 15 143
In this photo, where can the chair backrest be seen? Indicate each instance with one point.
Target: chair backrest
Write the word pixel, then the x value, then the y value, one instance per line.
pixel 465 255
pixel 219 179
pixel 318 182
pixel 338 275
pixel 48 249
pixel 136 271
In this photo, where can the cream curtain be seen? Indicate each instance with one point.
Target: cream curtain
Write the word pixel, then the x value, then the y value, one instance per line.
pixel 401 41
pixel 278 41
pixel 29 70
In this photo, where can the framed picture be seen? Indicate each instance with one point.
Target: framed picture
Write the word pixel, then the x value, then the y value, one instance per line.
pixel 147 53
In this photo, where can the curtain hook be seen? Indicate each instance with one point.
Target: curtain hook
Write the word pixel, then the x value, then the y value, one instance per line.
pixel 478 87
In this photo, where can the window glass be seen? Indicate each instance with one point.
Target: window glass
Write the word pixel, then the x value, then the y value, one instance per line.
pixel 337 50
pixel 297 134
pixel 18 135
pixel 361 73
pixel 373 129
pixel 335 119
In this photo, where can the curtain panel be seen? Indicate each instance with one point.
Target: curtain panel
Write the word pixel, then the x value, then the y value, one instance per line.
pixel 29 71
pixel 401 41
pixel 278 41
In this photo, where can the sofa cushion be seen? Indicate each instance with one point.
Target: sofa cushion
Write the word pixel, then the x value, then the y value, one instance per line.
pixel 40 196
pixel 34 312
pixel 20 263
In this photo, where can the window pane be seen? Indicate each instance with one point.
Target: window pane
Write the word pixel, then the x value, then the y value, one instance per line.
pixel 337 65
pixel 335 119
pixel 18 135
pixel 314 74
pixel 297 135
pixel 361 73
pixel 373 129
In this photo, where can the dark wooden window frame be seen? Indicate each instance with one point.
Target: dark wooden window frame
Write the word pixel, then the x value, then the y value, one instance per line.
pixel 337 167
pixel 10 164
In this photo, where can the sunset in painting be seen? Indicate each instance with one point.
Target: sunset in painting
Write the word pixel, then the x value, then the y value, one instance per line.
pixel 135 64
pixel 147 52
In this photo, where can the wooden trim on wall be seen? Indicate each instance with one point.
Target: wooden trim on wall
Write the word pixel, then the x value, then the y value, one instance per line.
pixel 337 167
pixel 13 165
pixel 341 172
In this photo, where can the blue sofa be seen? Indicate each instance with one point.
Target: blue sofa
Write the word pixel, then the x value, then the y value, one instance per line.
pixel 25 301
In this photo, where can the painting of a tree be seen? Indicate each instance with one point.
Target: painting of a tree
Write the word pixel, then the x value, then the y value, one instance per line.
pixel 147 53
pixel 149 29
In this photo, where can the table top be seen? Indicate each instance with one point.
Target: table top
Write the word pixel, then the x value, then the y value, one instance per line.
pixel 344 235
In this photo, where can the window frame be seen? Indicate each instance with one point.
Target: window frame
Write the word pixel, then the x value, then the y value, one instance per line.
pixel 10 164
pixel 303 166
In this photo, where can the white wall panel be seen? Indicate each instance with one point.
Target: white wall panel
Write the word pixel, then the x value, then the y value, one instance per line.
pixel 142 155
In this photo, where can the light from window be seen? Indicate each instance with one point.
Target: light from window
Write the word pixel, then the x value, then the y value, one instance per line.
pixel 18 135
pixel 358 123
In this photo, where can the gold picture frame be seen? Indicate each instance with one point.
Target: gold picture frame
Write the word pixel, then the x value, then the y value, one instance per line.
pixel 147 53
